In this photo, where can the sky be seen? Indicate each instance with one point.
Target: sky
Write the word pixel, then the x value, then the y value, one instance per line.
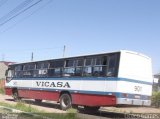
pixel 83 26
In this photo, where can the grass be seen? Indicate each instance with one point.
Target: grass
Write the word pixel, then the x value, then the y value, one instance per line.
pixel 70 114
pixel 1 90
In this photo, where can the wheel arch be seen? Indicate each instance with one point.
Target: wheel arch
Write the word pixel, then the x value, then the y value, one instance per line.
pixel 14 90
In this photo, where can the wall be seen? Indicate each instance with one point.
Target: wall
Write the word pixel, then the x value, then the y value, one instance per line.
pixel 3 68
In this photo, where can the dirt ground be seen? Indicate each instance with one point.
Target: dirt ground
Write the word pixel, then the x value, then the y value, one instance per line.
pixel 49 107
pixel 132 109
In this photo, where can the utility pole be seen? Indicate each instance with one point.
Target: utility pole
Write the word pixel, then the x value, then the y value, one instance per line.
pixel 32 56
pixel 64 51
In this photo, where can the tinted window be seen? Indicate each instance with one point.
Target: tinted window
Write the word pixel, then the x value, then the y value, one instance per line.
pixel 69 63
pixel 69 71
pixel 78 71
pixel 27 73
pixel 57 64
pixel 29 67
pixel 87 71
pixel 57 70
pixel 113 66
pixel 42 65
pixel 105 60
pixel 54 72
pixel 18 68
pixel 97 71
pixel 79 62
pixel 97 61
pixel 88 62
pixel 52 65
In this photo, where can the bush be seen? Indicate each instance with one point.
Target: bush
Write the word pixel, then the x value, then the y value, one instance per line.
pixel 156 99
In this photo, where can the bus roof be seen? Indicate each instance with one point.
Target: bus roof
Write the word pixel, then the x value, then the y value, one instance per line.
pixel 125 51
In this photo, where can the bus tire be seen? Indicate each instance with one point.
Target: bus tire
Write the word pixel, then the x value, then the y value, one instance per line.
pixel 65 101
pixel 38 101
pixel 91 109
pixel 15 95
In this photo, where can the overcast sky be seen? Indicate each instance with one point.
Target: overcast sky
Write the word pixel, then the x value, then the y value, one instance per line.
pixel 84 26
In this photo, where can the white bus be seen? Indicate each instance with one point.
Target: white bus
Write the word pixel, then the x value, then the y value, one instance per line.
pixel 92 81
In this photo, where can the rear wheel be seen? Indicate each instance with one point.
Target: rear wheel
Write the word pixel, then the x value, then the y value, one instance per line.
pixel 65 101
pixel 38 101
pixel 91 109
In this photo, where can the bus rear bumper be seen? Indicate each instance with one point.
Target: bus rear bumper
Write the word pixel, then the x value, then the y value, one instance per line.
pixel 138 102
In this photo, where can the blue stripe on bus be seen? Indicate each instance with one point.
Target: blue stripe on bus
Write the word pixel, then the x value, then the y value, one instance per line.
pixel 89 79
pixel 117 94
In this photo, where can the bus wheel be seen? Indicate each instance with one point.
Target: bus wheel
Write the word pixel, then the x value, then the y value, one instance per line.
pixel 15 95
pixel 38 101
pixel 65 101
pixel 91 109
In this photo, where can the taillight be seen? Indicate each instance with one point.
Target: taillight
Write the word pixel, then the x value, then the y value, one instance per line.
pixel 124 95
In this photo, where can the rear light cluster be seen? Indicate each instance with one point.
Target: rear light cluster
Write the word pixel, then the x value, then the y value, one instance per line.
pixel 124 95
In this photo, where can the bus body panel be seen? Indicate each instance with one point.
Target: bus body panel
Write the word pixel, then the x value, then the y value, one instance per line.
pixel 93 99
pixel 137 68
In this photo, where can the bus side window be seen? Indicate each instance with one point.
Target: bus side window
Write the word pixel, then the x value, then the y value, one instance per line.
pixel 41 69
pixel 69 69
pixel 56 72
pixel 87 70
pixel 79 67
pixel 19 71
pixel 78 71
pixel 28 70
pixel 55 68
pixel 100 66
pixel 112 66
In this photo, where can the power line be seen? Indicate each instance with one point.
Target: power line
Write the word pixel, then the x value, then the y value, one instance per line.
pixel 15 10
pixel 26 17
pixel 20 12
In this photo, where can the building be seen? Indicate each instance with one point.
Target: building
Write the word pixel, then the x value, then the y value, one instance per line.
pixel 3 68
pixel 156 83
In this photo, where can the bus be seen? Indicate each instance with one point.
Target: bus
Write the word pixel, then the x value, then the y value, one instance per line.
pixel 93 81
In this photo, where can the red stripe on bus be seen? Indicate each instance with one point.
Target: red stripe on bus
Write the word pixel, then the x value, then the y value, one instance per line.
pixel 43 95
pixel 77 98
pixel 93 100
